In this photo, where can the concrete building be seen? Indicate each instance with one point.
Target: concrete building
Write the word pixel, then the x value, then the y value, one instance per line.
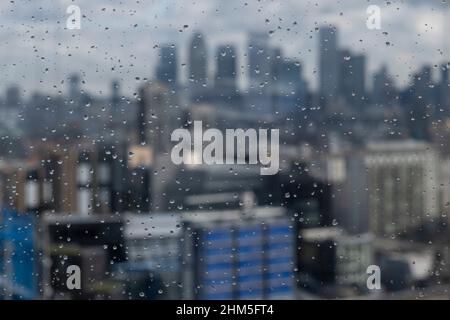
pixel 391 188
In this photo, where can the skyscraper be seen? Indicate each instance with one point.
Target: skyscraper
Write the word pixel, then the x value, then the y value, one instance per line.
pixel 225 78
pixel 13 98
pixel 198 65
pixel 328 62
pixel 395 184
pixel 115 98
pixel 166 71
pixel 74 88
pixel 156 116
pixel 420 100
pixel 288 89
pixel 383 90
pixel 287 74
pixel 444 86
pixel 352 77
pixel 260 56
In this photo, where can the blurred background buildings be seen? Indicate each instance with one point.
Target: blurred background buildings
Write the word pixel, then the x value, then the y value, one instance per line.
pixel 364 180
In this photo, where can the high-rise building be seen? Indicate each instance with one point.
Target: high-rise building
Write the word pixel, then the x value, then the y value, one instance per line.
pixel 167 69
pixel 225 79
pixel 13 98
pixel 420 104
pixel 157 116
pixel 444 85
pixel 289 89
pixel 246 254
pixel 328 63
pixel 198 65
pixel 391 189
pixel 383 89
pixel 115 98
pixel 74 88
pixel 352 77
pixel 287 74
pixel 260 57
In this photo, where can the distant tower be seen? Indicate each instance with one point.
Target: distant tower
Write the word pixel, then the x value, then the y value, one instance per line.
pixel 115 97
pixel 287 74
pixel 74 87
pixel 328 62
pixel 225 78
pixel 289 89
pixel 13 96
pixel 383 90
pixel 444 87
pixel 157 117
pixel 198 65
pixel 259 59
pixel 142 118
pixel 166 71
pixel 421 99
pixel 352 77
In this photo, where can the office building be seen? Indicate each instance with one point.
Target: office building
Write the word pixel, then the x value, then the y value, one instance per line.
pixel 243 254
pixel 13 97
pixel 18 277
pixel 419 102
pixel 383 88
pixel 157 117
pixel 444 85
pixel 352 77
pixel 153 243
pixel 391 189
pixel 225 79
pixel 95 243
pixel 260 58
pixel 198 66
pixel 167 69
pixel 289 89
pixel 328 63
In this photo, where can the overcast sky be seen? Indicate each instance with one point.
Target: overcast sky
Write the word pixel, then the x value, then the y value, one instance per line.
pixel 118 39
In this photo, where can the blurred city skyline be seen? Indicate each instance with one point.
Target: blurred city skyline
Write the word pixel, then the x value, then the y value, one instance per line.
pixel 92 176
pixel 121 42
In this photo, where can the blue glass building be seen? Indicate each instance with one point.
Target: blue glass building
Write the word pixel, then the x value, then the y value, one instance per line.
pixel 227 256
